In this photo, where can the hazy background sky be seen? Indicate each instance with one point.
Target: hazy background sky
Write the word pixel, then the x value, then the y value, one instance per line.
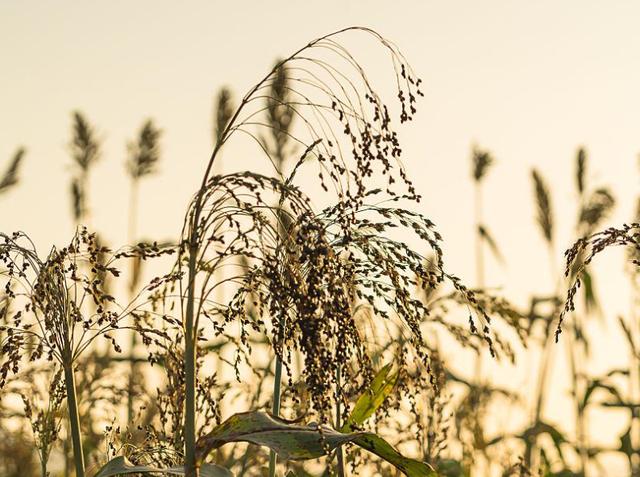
pixel 530 81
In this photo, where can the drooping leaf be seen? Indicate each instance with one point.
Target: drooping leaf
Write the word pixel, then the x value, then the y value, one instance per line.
pixel 121 465
pixel 539 428
pixel 493 245
pixel 599 384
pixel 378 446
pixel 10 177
pixel 292 441
pixel 590 298
pixel 289 440
pixel 626 329
pixel 381 386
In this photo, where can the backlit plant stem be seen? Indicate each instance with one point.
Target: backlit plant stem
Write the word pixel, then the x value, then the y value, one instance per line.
pixel 275 409
pixel 74 420
pixel 191 469
pixel 133 216
pixel 339 452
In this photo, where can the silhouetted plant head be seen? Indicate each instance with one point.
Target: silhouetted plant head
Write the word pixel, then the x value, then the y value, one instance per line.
pixel 596 209
pixel 144 152
pixel 222 113
pixel 49 299
pixel 280 114
pixel 543 203
pixel 581 169
pixel 85 147
pixel 596 204
pixel 85 152
pixel 10 177
pixel 329 94
pixel 481 161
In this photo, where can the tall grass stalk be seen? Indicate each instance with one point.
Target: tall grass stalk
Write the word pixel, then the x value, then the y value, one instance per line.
pixel 74 420
pixel 545 220
pixel 277 394
pixel 144 154
pixel 339 451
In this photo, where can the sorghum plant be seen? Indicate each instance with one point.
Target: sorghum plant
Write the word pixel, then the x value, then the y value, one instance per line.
pixel 303 283
pixel 48 303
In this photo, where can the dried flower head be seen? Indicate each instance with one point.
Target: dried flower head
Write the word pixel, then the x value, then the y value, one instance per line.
pixel 10 177
pixel 144 153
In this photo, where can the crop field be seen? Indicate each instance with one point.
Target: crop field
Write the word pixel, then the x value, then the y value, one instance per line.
pixel 281 300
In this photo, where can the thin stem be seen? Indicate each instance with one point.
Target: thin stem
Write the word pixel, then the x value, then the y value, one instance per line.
pixel 74 420
pixel 478 236
pixel 634 384
pixel 277 384
pixel 43 467
pixel 339 453
pixel 133 216
pixel 572 350
pixel 545 361
pixel 191 467
pixel 479 256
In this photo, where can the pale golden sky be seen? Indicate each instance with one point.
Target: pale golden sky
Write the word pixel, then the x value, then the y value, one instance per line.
pixel 528 80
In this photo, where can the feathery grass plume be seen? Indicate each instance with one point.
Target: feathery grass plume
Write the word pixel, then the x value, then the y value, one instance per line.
pixel 493 246
pixel 481 161
pixel 10 177
pixel 280 114
pixel 543 202
pixel 222 113
pixel 596 209
pixel 303 278
pixel 144 152
pixel 581 168
pixel 85 152
pixel 85 148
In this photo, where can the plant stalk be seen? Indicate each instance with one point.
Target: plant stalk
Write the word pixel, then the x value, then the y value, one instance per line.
pixel 545 361
pixel 133 215
pixel 43 467
pixel 74 419
pixel 275 409
pixel 339 453
pixel 191 467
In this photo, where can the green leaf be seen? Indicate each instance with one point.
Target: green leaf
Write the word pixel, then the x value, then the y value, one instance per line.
pixel 378 446
pixel 288 440
pixel 543 428
pixel 451 468
pixel 590 298
pixel 292 441
pixel 381 386
pixel 493 245
pixel 121 465
pixel 10 177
